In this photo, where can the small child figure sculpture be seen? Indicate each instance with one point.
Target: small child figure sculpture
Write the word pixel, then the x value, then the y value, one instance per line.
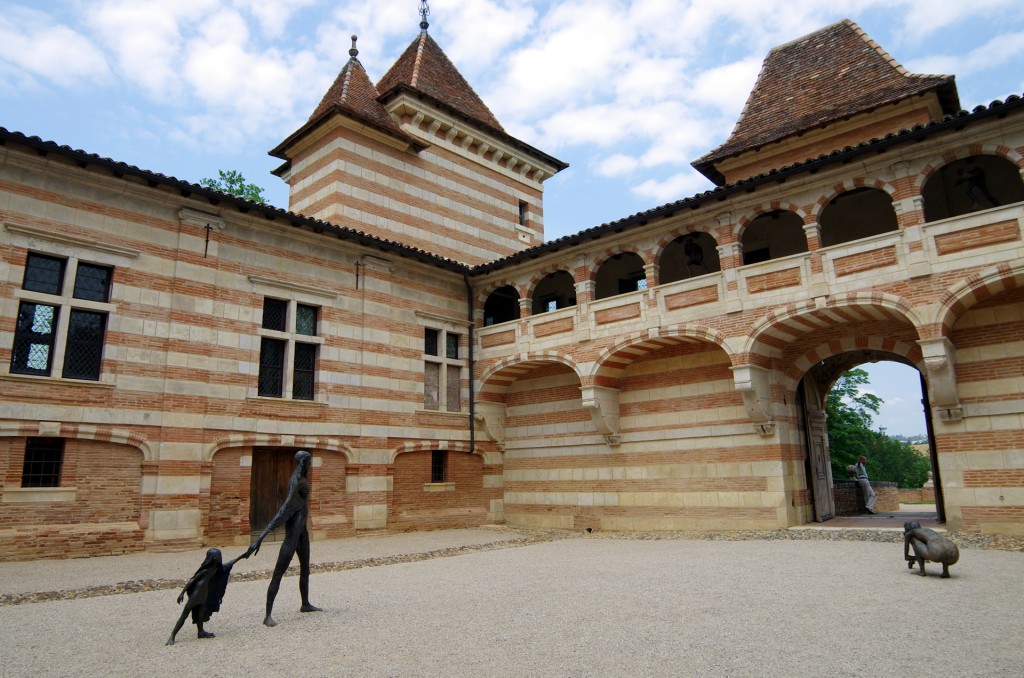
pixel 928 545
pixel 205 591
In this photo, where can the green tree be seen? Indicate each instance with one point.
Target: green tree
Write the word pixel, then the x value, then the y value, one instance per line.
pixel 234 183
pixel 850 409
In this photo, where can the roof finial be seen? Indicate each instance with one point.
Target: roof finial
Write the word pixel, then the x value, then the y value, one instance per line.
pixel 424 13
pixel 353 52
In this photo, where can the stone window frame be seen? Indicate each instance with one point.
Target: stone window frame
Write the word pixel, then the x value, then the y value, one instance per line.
pixel 445 328
pixel 294 295
pixel 73 250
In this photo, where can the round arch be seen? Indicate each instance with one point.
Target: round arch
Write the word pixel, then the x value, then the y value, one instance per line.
pixel 976 288
pixel 274 440
pixel 769 336
pixel 107 434
pixel 499 377
pixel 430 446
pixel 613 360
pixel 937 162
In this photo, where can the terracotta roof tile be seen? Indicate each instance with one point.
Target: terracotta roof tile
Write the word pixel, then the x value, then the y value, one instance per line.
pixel 820 78
pixel 425 68
pixel 353 92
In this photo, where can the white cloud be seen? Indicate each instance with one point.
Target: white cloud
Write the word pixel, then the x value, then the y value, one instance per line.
pixel 616 165
pixel 30 42
pixel 999 50
pixel 674 187
pixel 475 32
pixel 727 87
pixel 146 39
pixel 273 15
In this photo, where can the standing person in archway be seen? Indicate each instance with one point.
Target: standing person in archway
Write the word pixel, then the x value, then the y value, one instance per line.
pixel 293 514
pixel 865 484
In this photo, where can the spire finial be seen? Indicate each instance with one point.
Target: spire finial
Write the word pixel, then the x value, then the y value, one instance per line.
pixel 424 13
pixel 353 52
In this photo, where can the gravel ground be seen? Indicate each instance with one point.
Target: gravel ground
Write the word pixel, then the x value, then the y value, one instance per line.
pixel 545 603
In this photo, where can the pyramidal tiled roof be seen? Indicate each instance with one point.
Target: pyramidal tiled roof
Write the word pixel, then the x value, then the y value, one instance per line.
pixel 820 78
pixel 425 68
pixel 353 93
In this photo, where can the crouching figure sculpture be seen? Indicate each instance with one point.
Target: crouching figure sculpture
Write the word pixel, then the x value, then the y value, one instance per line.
pixel 928 545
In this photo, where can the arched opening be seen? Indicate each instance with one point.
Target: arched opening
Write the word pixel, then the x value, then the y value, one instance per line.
pixel 556 290
pixel 773 235
pixel 502 305
pixel 856 214
pixel 971 184
pixel 620 274
pixel 689 256
pixel 872 405
pixel 437 488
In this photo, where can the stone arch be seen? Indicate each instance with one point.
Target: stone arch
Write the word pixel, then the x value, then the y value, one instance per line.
pixel 767 208
pixel 775 331
pixel 974 289
pixel 619 273
pixel 536 278
pixel 430 446
pixel 613 360
pixel 561 293
pixel 939 161
pixel 856 209
pixel 882 345
pixel 497 378
pixel 846 186
pixel 786 235
pixel 595 263
pixel 108 434
pixel 277 440
pixel 494 285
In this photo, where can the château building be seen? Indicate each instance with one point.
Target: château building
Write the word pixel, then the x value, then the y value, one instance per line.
pixel 166 348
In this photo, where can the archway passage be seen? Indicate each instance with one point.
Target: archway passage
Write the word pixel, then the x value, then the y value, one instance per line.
pixel 856 214
pixel 689 256
pixel 773 235
pixel 901 465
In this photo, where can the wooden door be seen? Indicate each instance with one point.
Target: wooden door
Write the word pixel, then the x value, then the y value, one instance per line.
pixel 820 463
pixel 821 467
pixel 271 470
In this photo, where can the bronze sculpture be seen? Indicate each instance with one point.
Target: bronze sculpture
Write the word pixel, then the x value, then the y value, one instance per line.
pixel 928 545
pixel 205 591
pixel 293 514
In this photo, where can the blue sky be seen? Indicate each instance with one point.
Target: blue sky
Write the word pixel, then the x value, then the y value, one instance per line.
pixel 627 92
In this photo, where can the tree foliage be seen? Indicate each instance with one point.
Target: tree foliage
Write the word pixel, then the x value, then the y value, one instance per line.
pixel 850 409
pixel 234 183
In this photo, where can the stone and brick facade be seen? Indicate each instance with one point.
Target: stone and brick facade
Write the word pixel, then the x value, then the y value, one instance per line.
pixel 406 324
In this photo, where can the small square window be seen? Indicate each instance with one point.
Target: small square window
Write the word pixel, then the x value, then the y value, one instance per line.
pixel 275 314
pixel 305 320
pixel 43 274
pixel 92 283
pixel 43 460
pixel 430 341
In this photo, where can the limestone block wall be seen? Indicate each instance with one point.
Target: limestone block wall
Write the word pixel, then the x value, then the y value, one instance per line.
pixel 443 199
pixel 97 510
pixel 982 456
pixel 181 357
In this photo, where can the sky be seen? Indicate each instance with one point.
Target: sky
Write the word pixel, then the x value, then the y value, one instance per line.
pixel 627 92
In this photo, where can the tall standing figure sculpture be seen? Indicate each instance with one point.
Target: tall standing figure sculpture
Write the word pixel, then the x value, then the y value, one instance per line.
pixel 293 515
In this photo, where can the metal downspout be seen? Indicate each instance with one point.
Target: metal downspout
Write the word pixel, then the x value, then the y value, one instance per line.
pixel 472 378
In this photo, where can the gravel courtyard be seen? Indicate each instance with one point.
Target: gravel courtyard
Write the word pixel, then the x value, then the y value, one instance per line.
pixel 498 604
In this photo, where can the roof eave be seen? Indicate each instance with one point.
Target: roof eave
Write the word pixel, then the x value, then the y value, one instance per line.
pixel 403 88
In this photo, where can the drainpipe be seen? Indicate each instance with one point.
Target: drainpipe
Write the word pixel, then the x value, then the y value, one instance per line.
pixel 472 394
